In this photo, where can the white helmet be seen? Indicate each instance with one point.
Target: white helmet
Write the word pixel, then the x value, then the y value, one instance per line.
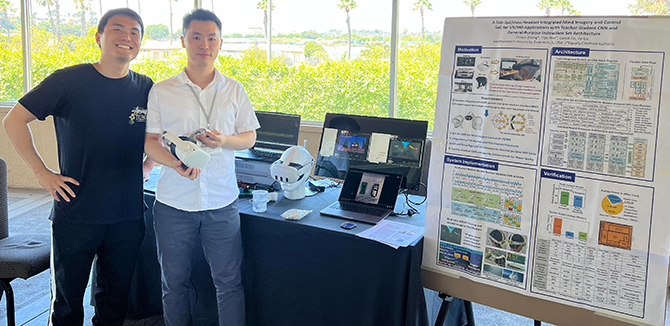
pixel 292 170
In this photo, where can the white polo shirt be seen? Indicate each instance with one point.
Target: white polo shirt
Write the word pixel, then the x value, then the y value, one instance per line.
pixel 172 107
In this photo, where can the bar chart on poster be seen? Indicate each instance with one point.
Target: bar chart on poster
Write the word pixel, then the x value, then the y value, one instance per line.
pixel 547 174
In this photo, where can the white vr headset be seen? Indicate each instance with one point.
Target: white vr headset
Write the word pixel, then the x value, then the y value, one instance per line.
pixel 294 164
pixel 186 150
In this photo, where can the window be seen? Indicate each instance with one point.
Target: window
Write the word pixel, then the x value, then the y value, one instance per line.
pixel 313 70
pixel 61 36
pixel 420 38
pixel 161 55
pixel 11 69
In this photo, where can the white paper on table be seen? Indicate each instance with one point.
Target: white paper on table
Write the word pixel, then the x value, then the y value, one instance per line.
pixel 378 148
pixel 328 142
pixel 394 234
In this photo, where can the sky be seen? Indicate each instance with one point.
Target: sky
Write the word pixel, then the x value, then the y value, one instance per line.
pixel 241 16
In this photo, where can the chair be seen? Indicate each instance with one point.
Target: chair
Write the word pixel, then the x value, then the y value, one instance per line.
pixel 21 255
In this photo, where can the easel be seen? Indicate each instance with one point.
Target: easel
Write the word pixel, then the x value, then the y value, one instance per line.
pixel 444 308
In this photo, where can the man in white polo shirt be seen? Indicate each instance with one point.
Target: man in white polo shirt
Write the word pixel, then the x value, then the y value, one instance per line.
pixel 200 201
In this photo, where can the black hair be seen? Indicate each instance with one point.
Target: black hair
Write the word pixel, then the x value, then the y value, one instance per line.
pixel 120 11
pixel 202 15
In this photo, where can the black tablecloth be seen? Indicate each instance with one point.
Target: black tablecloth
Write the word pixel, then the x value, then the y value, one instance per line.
pixel 307 272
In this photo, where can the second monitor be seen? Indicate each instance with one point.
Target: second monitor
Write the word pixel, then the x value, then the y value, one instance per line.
pixel 372 144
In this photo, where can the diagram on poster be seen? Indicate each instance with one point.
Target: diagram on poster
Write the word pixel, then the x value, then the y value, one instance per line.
pixel 485 224
pixel 496 103
pixel 602 113
pixel 596 252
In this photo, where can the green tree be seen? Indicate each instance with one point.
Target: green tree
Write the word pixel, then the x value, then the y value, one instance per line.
pixel 83 6
pixel 422 5
pixel 650 7
pixel 355 86
pixel 6 7
pixel 157 32
pixel 546 5
pixel 312 35
pixel 348 5
pixel 57 12
pixel 314 50
pixel 564 5
pixel 472 4
pixel 263 5
pixel 561 5
pixel 48 4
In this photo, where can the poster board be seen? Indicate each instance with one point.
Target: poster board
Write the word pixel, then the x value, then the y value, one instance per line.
pixel 549 168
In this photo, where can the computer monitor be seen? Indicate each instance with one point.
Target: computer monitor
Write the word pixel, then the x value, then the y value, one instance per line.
pixel 278 130
pixel 373 144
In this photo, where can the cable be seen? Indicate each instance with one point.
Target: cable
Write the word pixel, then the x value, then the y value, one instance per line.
pixel 411 210
pixel 419 186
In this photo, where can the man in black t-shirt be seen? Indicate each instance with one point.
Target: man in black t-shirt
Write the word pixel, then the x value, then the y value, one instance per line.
pixel 99 114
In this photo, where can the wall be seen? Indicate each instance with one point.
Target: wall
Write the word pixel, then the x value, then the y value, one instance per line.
pixel 44 136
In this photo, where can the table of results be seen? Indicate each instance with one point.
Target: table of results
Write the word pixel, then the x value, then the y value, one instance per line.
pixel 604 278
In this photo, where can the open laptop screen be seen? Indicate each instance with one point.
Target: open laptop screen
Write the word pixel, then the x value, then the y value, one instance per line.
pixel 371 188
pixel 278 130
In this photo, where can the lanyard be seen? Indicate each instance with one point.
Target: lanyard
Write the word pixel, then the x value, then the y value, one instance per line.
pixel 197 99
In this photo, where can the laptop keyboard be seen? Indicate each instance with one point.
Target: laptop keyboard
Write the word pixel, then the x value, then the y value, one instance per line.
pixel 363 209
pixel 269 155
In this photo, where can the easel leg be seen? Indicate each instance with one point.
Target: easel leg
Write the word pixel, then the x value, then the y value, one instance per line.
pixel 444 307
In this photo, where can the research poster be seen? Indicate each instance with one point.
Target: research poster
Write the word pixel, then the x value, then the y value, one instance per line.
pixel 550 171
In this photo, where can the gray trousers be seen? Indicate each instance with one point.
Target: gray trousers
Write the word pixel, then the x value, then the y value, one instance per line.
pixel 221 238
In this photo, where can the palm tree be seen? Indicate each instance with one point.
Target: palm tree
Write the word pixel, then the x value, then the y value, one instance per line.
pixel 263 5
pixel 420 5
pixel 472 4
pixel 547 5
pixel 348 5
pixel 565 5
pixel 171 32
pixel 6 7
pixel 83 6
pixel 562 5
pixel 48 4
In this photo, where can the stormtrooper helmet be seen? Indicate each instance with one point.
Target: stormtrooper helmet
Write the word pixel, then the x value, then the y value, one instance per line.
pixel 292 170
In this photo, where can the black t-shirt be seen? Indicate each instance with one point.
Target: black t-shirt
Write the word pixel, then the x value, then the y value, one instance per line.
pixel 100 127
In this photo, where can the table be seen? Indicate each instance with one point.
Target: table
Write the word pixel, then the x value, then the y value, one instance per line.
pixel 307 272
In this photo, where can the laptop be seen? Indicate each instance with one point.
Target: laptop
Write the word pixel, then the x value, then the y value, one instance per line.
pixel 366 196
pixel 278 132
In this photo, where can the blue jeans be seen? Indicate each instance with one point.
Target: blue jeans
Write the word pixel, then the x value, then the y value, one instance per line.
pixel 221 239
